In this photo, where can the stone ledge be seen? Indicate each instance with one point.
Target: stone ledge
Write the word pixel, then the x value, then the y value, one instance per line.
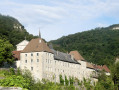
pixel 10 88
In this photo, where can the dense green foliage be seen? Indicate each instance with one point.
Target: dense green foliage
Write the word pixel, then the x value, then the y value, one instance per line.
pixel 13 30
pixel 99 46
pixel 61 80
pixel 17 81
pixel 115 74
pixel 25 80
pixel 5 51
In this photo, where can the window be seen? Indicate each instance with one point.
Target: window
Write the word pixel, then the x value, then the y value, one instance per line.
pixel 31 54
pixel 31 68
pixel 31 60
pixel 26 55
pixel 37 54
pixel 37 60
pixel 25 61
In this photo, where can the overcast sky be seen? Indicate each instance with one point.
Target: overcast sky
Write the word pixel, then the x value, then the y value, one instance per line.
pixel 57 18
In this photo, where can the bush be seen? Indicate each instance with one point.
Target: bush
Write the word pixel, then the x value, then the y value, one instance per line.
pixel 17 81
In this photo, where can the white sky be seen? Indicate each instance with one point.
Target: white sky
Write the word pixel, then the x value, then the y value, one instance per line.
pixel 57 18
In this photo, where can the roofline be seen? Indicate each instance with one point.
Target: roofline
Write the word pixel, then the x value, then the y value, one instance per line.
pixel 90 68
pixel 67 61
pixel 37 51
pixel 22 41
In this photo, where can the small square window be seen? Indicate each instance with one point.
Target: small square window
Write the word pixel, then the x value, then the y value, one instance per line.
pixel 37 54
pixel 31 60
pixel 31 54
pixel 31 68
pixel 25 61
pixel 26 55
pixel 37 60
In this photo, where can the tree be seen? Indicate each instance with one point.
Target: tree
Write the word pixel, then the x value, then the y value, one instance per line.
pixel 5 51
pixel 61 80
pixel 115 74
pixel 66 80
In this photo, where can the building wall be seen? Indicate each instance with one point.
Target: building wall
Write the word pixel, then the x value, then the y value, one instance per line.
pixel 32 62
pixel 45 66
pixel 89 73
pixel 82 69
pixel 17 63
pixel 53 68
pixel 22 45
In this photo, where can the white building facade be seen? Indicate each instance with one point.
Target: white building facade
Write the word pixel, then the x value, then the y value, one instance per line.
pixel 46 63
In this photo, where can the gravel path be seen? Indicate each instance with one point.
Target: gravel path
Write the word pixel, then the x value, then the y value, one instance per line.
pixel 10 88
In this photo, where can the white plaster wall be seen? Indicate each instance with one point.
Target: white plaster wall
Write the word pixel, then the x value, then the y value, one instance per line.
pixel 50 69
pixel 89 73
pixel 37 66
pixel 22 45
pixel 17 63
pixel 82 69
pixel 19 48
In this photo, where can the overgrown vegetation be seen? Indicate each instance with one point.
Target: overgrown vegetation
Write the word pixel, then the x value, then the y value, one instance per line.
pixel 100 45
pixel 14 78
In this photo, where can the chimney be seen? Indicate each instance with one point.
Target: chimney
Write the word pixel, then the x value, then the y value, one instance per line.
pixel 39 40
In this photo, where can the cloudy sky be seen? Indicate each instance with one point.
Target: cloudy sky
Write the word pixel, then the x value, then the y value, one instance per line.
pixel 57 18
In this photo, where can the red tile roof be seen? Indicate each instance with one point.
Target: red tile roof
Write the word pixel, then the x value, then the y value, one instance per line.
pixel 16 54
pixel 36 45
pixel 89 65
pixel 76 55
pixel 104 67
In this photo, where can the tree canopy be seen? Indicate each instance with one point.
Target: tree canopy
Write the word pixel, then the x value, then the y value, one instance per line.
pixel 99 45
pixel 13 30
pixel 5 51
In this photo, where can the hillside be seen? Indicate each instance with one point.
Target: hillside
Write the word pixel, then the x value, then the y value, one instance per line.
pixel 99 45
pixel 13 30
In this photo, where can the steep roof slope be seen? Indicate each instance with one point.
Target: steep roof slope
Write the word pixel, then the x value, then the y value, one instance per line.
pixel 63 57
pixel 76 55
pixel 36 45
pixel 24 42
pixel 16 54
pixel 89 65
pixel 106 68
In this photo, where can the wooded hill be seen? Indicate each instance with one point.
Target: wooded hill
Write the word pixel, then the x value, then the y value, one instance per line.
pixel 13 30
pixel 99 45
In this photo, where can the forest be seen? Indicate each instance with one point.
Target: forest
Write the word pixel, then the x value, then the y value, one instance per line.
pixel 13 30
pixel 99 45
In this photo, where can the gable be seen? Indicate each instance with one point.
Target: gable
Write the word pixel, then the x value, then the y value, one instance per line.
pixel 23 43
